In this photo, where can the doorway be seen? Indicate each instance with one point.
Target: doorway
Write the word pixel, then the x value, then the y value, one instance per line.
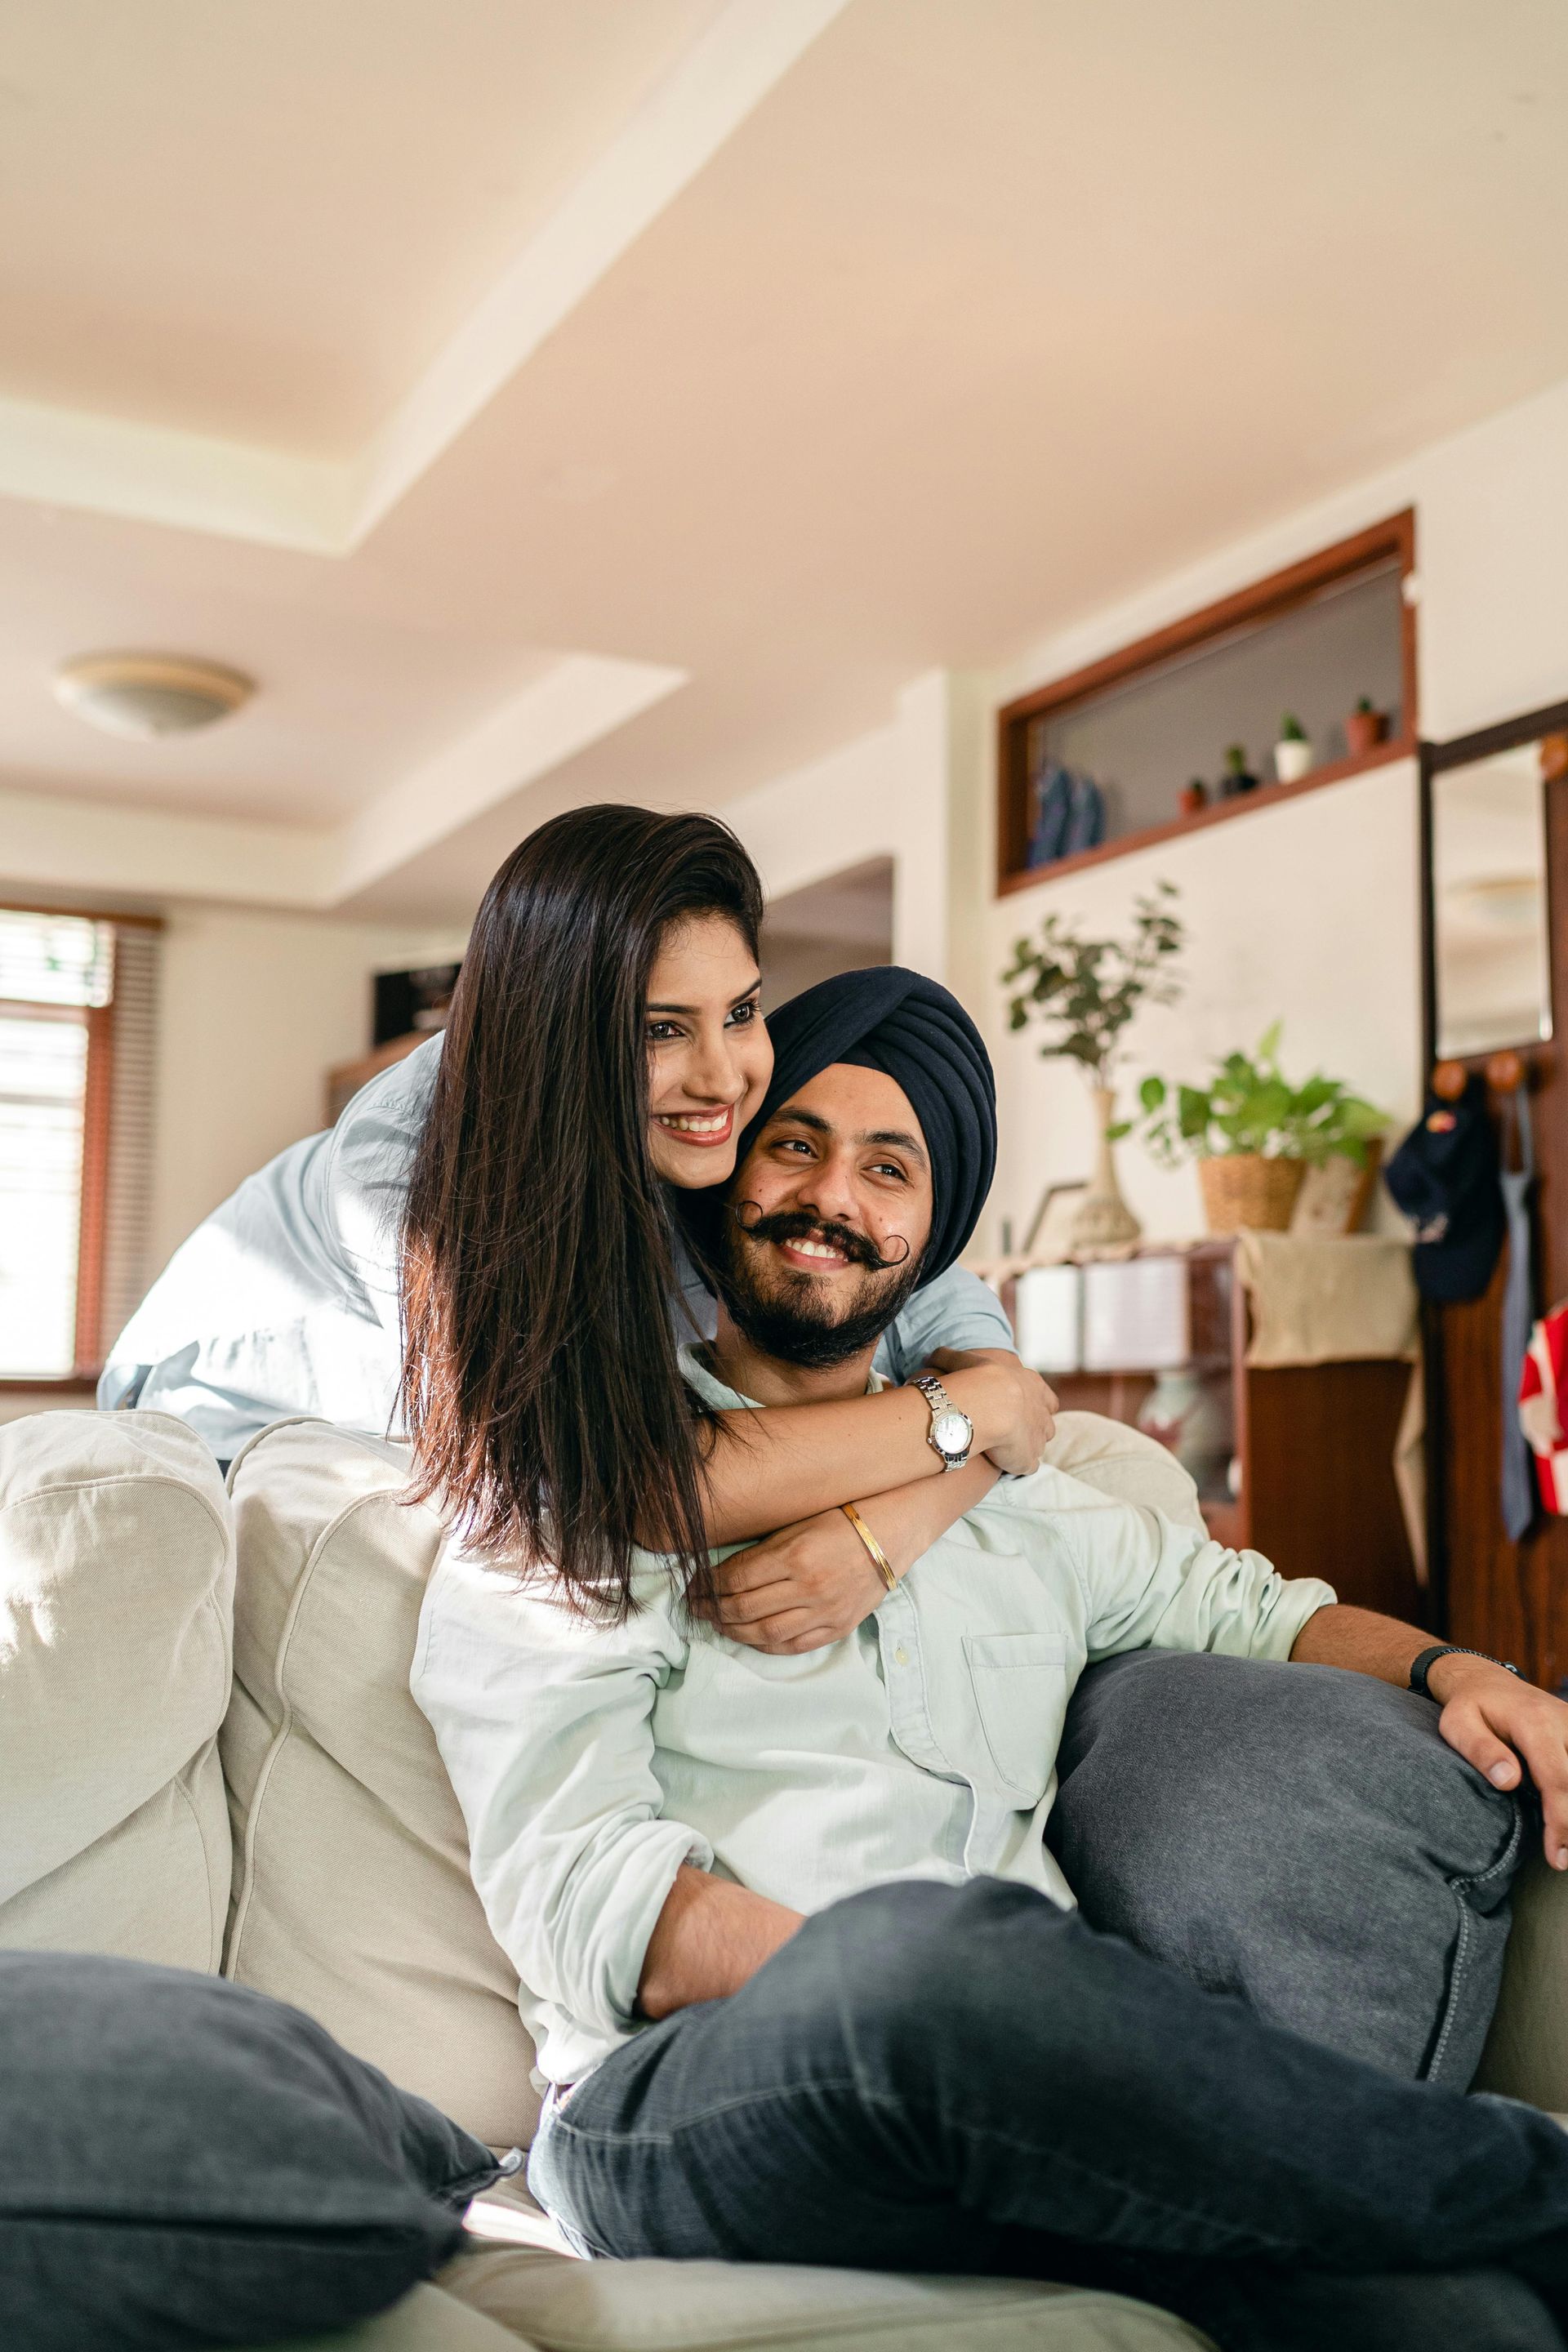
pixel 839 924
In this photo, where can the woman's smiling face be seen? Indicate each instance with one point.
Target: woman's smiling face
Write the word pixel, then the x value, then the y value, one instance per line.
pixel 709 1057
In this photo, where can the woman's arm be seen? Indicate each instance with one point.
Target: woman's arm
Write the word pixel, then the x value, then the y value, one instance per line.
pixel 813 1583
pixel 769 1469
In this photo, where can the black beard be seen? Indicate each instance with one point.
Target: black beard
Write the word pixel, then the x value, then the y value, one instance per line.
pixel 791 1324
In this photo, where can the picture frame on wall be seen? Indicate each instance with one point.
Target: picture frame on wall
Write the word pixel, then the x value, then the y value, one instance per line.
pixel 1049 1241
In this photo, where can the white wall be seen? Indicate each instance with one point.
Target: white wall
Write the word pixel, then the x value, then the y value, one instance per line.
pixel 887 795
pixel 1310 909
pixel 1308 913
pixel 254 1010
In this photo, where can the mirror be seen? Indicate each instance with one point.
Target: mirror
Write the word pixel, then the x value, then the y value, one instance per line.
pixel 1490 961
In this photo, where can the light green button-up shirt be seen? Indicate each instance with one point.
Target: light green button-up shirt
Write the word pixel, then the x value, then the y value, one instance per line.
pixel 592 1761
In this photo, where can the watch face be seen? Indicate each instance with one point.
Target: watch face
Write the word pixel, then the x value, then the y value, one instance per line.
pixel 953 1431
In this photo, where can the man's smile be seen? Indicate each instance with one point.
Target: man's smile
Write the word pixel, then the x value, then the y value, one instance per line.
pixel 811 1255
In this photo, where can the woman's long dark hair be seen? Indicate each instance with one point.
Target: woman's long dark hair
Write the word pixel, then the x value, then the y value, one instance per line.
pixel 540 1380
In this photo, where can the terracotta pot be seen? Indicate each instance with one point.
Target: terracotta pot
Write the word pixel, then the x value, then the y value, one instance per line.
pixel 1243 1188
pixel 1364 730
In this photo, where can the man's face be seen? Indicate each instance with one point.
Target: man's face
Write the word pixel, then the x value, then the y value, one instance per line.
pixel 830 1213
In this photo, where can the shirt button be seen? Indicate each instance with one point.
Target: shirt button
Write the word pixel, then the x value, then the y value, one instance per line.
pixel 900 1655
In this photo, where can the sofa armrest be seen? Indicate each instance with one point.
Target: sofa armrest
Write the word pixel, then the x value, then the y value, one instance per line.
pixel 1526 2055
pixel 425 2320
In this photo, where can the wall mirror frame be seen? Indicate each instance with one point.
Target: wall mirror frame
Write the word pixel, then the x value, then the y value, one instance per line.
pixel 1493 829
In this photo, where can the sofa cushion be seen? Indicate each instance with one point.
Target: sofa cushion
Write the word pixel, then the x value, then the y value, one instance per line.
pixel 353 1898
pixel 184 2163
pixel 1116 1463
pixel 116 1581
pixel 564 2305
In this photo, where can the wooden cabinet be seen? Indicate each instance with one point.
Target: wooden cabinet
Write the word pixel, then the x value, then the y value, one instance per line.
pixel 345 1081
pixel 1307 1477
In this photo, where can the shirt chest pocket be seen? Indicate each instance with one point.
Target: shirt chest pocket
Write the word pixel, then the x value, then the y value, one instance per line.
pixel 1021 1684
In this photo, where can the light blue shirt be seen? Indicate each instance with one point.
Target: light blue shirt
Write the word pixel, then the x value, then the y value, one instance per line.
pixel 286 1299
pixel 592 1761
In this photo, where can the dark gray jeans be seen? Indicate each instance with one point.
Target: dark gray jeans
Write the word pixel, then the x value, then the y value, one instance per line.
pixel 1302 1836
pixel 968 2080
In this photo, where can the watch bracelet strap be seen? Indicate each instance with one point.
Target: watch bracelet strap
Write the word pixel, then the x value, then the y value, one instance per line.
pixel 884 1565
pixel 1421 1667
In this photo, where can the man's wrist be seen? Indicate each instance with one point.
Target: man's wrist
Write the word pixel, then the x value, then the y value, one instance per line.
pixel 1461 1669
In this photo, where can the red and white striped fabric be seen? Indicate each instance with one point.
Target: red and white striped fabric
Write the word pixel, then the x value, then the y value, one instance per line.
pixel 1542 1396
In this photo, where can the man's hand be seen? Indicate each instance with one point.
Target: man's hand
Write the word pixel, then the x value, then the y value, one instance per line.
pixel 1013 1411
pixel 798 1589
pixel 1497 1722
pixel 1494 1720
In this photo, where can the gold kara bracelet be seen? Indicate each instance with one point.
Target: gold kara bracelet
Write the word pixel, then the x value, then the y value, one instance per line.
pixel 884 1564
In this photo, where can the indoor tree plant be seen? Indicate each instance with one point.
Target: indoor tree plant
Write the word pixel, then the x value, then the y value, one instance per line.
pixel 1253 1135
pixel 1086 991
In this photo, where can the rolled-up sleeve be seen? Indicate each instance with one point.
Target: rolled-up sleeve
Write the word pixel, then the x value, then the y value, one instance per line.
pixel 1153 1584
pixel 544 1725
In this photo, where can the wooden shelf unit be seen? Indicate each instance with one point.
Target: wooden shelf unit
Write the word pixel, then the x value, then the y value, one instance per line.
pixel 1313 1445
pixel 1250 611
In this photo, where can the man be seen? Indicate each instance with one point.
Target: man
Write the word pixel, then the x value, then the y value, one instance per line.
pixel 800 1968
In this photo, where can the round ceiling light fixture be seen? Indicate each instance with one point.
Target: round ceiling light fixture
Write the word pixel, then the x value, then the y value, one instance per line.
pixel 145 696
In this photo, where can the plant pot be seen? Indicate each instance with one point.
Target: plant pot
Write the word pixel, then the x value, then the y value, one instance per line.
pixel 1364 730
pixel 1243 1188
pixel 1292 759
pixel 1103 1225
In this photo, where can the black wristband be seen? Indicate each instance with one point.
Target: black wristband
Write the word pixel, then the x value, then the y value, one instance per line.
pixel 1421 1667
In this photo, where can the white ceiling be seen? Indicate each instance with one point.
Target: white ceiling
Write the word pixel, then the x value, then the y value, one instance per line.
pixel 580 399
pixel 261 218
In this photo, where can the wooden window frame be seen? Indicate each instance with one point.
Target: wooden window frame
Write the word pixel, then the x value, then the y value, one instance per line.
pixel 93 1213
pixel 1389 542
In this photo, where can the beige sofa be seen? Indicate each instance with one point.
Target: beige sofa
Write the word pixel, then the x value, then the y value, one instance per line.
pixel 159 1640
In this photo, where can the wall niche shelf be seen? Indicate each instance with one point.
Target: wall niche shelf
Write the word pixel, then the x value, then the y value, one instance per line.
pixel 1309 639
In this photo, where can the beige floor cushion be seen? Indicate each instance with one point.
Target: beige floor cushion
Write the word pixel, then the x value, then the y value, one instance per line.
pixel 353 1898
pixel 116 1579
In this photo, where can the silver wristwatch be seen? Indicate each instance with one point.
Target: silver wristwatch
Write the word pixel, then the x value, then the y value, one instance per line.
pixel 952 1433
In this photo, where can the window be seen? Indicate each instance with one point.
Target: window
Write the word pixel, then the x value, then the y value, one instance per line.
pixel 57 1013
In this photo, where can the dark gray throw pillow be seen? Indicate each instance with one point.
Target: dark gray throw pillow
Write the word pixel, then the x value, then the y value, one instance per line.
pixel 183 2162
pixel 1300 1835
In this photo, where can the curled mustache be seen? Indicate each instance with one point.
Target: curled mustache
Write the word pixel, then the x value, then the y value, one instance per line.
pixel 800 1226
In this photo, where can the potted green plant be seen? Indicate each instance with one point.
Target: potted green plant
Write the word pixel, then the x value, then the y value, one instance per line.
pixel 1365 727
pixel 1292 753
pixel 1254 1134
pixel 1086 991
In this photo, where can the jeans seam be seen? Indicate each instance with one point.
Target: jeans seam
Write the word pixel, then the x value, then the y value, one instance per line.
pixel 1460 1889
pixel 1252 2238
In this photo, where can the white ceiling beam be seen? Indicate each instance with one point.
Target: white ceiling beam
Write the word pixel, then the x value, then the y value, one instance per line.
pixel 722 79
pixel 52 841
pixel 57 841
pixel 581 699
pixel 147 473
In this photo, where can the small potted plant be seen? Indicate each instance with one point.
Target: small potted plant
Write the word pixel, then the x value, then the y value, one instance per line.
pixel 1087 990
pixel 1293 753
pixel 1365 727
pixel 1238 777
pixel 1253 1135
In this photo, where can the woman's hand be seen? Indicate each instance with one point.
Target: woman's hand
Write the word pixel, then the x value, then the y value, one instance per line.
pixel 1012 1410
pixel 806 1586
pixel 1495 1721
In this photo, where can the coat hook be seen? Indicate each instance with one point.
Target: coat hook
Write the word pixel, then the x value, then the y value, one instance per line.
pixel 1449 1080
pixel 1505 1072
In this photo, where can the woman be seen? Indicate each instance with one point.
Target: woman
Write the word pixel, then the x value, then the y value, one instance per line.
pixel 480 1254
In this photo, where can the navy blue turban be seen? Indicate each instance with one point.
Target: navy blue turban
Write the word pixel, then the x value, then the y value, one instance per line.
pixel 918 1033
